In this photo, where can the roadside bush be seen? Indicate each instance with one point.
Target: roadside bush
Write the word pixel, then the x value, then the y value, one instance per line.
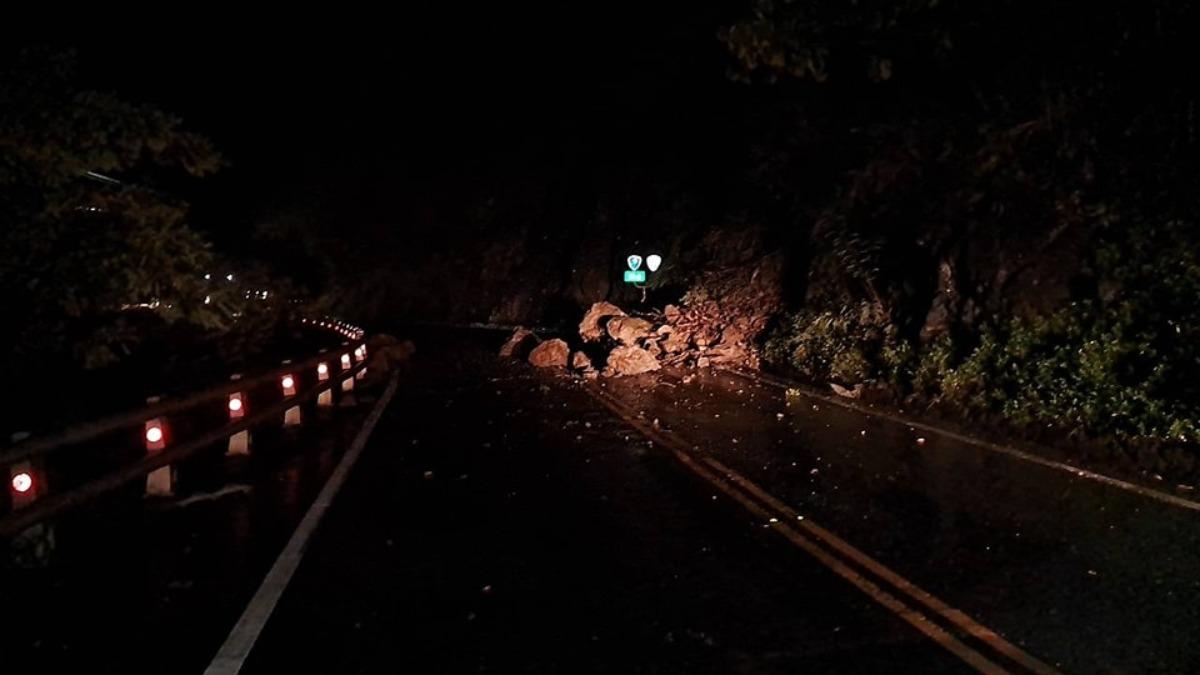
pixel 826 345
pixel 1123 369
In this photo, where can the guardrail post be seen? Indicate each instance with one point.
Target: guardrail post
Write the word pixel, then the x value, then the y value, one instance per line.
pixel 25 483
pixel 161 481
pixel 291 418
pixel 360 355
pixel 325 398
pixel 239 443
pixel 32 547
pixel 347 400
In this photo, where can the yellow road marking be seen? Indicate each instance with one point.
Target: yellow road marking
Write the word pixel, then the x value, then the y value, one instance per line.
pixel 787 529
pixel 956 617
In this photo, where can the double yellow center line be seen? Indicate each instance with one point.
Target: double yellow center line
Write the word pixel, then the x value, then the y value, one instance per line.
pixel 978 646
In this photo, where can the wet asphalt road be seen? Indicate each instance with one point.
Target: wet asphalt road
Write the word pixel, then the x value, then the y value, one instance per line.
pixel 137 585
pixel 501 519
pixel 1089 578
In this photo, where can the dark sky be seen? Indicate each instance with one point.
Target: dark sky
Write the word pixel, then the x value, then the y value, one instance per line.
pixel 381 117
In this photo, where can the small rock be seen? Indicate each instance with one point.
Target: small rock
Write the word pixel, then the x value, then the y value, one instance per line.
pixel 848 393
pixel 628 330
pixel 581 362
pixel 675 343
pixel 519 344
pixel 630 360
pixel 550 354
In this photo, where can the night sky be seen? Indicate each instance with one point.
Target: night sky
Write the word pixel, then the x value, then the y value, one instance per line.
pixel 396 122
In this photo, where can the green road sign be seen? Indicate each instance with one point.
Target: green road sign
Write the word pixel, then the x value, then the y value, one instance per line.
pixel 635 276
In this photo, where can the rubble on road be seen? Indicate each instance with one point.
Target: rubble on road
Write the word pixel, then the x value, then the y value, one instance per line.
pixel 629 360
pixel 519 344
pixel 717 323
pixel 852 392
pixel 550 354
pixel 629 330
pixel 580 362
pixel 591 328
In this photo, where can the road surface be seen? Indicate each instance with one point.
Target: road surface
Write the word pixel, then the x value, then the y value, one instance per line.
pixel 502 518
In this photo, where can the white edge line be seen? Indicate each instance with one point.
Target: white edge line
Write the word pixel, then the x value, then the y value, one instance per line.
pixel 1165 497
pixel 233 653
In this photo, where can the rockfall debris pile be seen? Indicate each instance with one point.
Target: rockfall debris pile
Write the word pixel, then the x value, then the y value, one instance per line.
pixel 701 333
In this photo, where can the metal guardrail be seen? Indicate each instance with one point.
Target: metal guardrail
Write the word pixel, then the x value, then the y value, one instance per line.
pixel 37 451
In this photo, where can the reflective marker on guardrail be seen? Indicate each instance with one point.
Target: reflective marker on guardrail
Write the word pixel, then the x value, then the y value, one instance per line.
pixel 160 482
pixel 239 443
pixel 156 435
pixel 325 398
pixel 291 417
pixel 24 484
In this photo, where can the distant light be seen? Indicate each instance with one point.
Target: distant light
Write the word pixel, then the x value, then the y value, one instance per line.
pixel 22 482
pixel 208 299
pixel 264 295
pixel 228 277
pixel 208 277
pixel 323 369
pixel 235 404
pixel 288 382
pixel 653 261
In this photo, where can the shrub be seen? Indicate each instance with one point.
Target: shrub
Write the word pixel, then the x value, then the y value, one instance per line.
pixel 824 345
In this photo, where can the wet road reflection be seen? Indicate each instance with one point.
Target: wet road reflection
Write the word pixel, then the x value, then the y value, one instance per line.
pixel 1085 575
pixel 501 521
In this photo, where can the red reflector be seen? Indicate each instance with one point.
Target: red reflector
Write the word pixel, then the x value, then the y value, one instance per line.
pixel 22 482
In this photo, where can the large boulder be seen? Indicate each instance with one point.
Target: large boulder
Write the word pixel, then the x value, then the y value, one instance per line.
pixel 519 344
pixel 630 360
pixel 628 330
pixel 591 328
pixel 550 354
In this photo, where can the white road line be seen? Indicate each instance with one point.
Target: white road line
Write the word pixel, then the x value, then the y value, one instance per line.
pixel 1151 493
pixel 232 655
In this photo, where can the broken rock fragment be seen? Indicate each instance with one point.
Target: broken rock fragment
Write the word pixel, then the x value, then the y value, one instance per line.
pixel 581 362
pixel 550 354
pixel 591 328
pixel 519 344
pixel 628 330
pixel 629 360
